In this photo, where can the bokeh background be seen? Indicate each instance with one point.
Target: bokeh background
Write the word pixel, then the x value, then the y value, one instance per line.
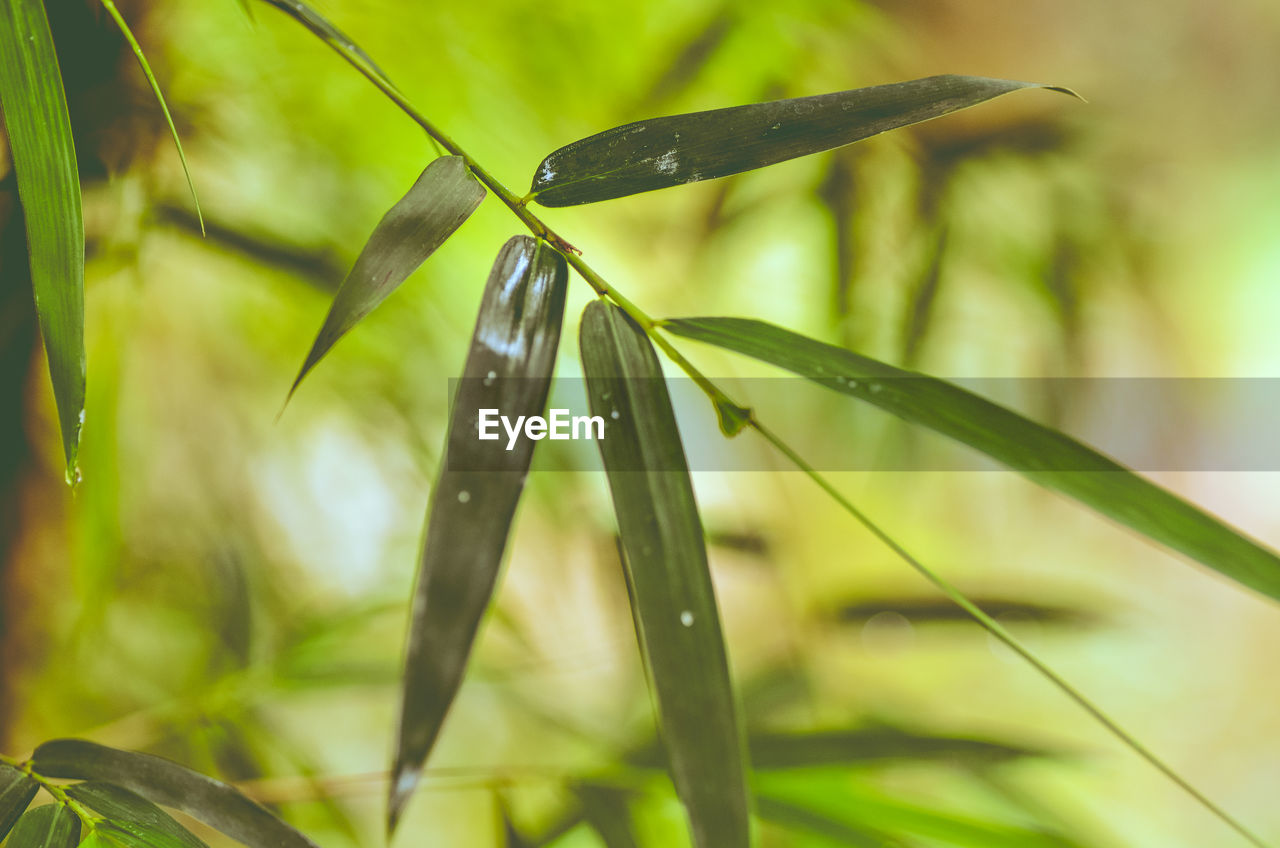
pixel 231 591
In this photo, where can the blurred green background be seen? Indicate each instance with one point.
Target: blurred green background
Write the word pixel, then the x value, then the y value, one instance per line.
pixel 232 592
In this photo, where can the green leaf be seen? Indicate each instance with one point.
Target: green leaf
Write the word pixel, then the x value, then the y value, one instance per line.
pixel 666 564
pixel 16 791
pixel 134 814
pixel 50 826
pixel 443 197
pixel 108 834
pixel 110 6
pixel 44 160
pixel 606 811
pixel 161 781
pixel 794 817
pixel 677 149
pixel 508 369
pixel 1046 456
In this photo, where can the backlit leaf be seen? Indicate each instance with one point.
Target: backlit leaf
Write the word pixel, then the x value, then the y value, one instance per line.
pixel 666 562
pixel 50 826
pixel 443 197
pixel 164 782
pixel 133 814
pixel 44 160
pixel 669 151
pixel 508 369
pixel 1050 458
pixel 16 791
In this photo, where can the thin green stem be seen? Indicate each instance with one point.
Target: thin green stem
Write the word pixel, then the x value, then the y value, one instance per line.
pixel 1003 635
pixel 519 207
pixel 86 816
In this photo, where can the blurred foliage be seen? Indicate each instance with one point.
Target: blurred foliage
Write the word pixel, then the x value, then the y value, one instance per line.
pixel 231 592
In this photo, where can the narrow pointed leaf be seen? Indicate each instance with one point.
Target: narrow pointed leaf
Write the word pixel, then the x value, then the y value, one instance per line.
pixel 669 151
pixel 44 161
pixel 16 791
pixel 443 197
pixel 50 826
pixel 134 814
pixel 110 834
pixel 666 560
pixel 164 782
pixel 110 6
pixel 509 368
pixel 1048 457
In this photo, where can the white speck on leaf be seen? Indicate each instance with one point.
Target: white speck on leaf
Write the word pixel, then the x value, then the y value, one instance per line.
pixel 464 496
pixel 686 618
pixel 667 162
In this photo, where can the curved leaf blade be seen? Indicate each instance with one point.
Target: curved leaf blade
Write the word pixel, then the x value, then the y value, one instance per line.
pixel 677 149
pixel 134 814
pixel 508 368
pixel 16 791
pixel 164 782
pixel 439 201
pixel 50 826
pixel 44 161
pixel 1044 455
pixel 673 601
pixel 110 6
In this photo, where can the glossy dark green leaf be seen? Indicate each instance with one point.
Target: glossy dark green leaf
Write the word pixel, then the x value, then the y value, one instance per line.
pixel 50 826
pixel 108 834
pixel 1046 456
pixel 16 791
pixel 666 561
pixel 509 368
pixel 443 197
pixel 669 151
pixel 160 781
pixel 44 161
pixel 133 814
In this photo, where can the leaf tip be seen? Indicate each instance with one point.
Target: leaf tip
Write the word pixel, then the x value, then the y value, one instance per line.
pixel 404 779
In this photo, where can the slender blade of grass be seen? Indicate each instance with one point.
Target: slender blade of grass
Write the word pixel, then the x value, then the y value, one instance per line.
pixel 666 564
pixel 110 6
pixel 50 826
pixel 132 813
pixel 509 368
pixel 44 160
pixel 677 149
pixel 1044 455
pixel 161 781
pixel 16 791
pixel 443 197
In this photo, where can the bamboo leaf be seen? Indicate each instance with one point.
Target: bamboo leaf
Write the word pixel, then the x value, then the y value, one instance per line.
pixel 44 160
pixel 164 782
pixel 50 826
pixel 666 563
pixel 669 151
pixel 109 834
pixel 110 6
pixel 134 814
pixel 443 197
pixel 16 791
pixel 1048 457
pixel 509 370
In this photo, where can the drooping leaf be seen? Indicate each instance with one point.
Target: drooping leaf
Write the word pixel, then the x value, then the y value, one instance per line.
pixel 327 32
pixel 666 563
pixel 669 151
pixel 16 791
pixel 1048 457
pixel 44 161
pixel 133 814
pixel 443 197
pixel 508 372
pixel 50 826
pixel 110 6
pixel 164 782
